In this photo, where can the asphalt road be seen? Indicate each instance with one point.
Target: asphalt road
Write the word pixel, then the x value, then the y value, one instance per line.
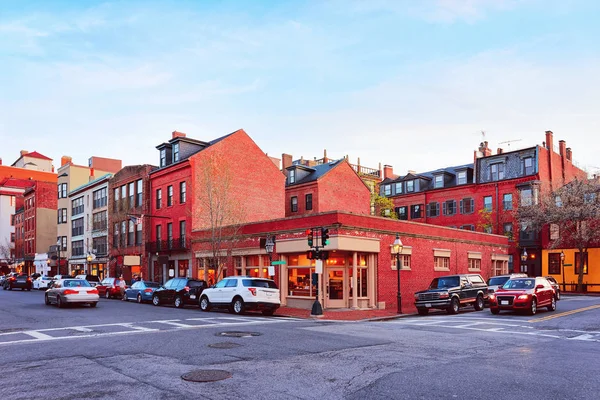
pixel 133 351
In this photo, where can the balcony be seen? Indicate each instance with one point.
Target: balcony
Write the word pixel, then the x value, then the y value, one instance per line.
pixel 172 245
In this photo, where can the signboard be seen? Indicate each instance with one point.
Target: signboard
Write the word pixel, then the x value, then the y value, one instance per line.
pixel 319 266
pixel 567 265
pixel 171 273
pixel 131 260
pixel 271 270
pixel 278 263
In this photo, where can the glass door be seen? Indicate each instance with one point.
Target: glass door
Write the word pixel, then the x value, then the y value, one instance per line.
pixel 336 288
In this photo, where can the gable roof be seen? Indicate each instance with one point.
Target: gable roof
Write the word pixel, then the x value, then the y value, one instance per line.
pixel 315 172
pixel 91 183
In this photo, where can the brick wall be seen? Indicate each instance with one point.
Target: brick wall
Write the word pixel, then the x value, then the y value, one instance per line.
pixel 342 189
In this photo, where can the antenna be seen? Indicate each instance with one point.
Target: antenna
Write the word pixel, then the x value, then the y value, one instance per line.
pixel 482 135
pixel 508 142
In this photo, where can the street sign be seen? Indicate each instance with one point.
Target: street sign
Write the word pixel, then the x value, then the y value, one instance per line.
pixel 567 265
pixel 278 263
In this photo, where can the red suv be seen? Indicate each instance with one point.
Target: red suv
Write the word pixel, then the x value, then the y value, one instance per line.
pixel 523 294
pixel 110 287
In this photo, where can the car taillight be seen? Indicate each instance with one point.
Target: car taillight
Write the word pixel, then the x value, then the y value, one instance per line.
pixel 70 291
pixel 187 288
pixel 252 290
pixel 28 279
pixel 93 291
pixel 13 279
pixel 147 290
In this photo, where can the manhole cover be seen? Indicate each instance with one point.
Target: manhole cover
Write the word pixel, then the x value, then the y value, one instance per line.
pixel 224 345
pixel 238 334
pixel 206 375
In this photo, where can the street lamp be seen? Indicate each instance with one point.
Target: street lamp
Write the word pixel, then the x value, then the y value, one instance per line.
pixel 397 249
pixel 562 267
pixel 89 259
pixel 269 244
pixel 523 260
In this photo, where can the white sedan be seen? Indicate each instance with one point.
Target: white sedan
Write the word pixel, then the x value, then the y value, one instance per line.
pixel 66 291
pixel 42 282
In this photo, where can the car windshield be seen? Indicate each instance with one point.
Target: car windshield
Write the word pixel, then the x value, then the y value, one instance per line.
pixel 151 284
pixel 259 283
pixel 498 280
pixel 520 284
pixel 75 283
pixel 444 283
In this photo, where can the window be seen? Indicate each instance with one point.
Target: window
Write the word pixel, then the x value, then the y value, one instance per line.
pixel 131 194
pixel 175 152
pixel 554 231
pixel 182 234
pixel 292 176
pixel 130 234
pixel 138 193
pixel 474 263
pixel 99 221
pixel 62 216
pixel 416 211
pixel 163 157
pixel 308 200
pixel 116 235
pixel 138 235
pixel 299 281
pixel 507 203
pixel 527 166
pixel 439 181
pixel 99 245
pixel 433 209
pixel 488 228
pixel 100 198
pixel 123 233
pixel 77 248
pixel 398 188
pixel 526 232
pixel 170 235
pixel 497 171
pixel 461 179
pixel 123 196
pixel 294 203
pixel 558 201
pixel 441 263
pixel 182 193
pixel 116 199
pixel 578 260
pixel 526 197
pixel 402 213
pixel 467 206
pixel 77 227
pixel 62 190
pixel 404 261
pixel 169 195
pixel 554 263
pixel 387 190
pixel 159 235
pixel 487 203
pixel 158 199
pixel 410 186
pixel 508 230
pixel 449 207
pixel 77 206
pixel 467 227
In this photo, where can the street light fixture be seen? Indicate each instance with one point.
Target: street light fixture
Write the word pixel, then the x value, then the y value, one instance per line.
pixel 397 250
pixel 89 259
pixel 562 265
pixel 269 245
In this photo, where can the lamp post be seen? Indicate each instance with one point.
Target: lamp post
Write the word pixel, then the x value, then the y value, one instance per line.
pixel 562 267
pixel 58 246
pixel 89 259
pixel 397 249
pixel 523 260
pixel 269 244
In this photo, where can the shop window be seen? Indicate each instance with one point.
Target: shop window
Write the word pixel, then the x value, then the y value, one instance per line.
pixel 585 262
pixel 300 282
pixel 554 263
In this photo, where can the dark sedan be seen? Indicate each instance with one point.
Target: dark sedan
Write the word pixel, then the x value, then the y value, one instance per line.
pixel 179 292
pixel 22 282
pixel 141 291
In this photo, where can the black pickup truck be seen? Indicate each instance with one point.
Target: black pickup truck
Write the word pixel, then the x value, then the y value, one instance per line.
pixel 452 292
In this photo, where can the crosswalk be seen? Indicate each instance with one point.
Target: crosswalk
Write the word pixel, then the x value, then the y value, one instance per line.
pixel 508 326
pixel 17 336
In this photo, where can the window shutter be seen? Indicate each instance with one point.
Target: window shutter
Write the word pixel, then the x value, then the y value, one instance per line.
pixel 444 208
pixel 472 205
pixel 461 207
pixel 453 207
pixel 428 209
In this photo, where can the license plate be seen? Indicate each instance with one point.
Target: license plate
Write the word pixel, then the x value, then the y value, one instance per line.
pixel 504 302
pixel 428 305
pixel 192 296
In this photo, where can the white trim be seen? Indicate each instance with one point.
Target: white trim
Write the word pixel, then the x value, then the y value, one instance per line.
pixel 500 257
pixel 442 253
pixel 474 254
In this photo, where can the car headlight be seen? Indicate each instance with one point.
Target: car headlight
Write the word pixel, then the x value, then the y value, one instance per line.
pixel 492 297
pixel 523 297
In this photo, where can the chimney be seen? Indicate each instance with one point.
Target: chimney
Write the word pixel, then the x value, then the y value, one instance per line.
pixel 549 142
pixel 500 151
pixel 177 134
pixel 23 152
pixel 562 146
pixel 64 160
pixel 569 154
pixel 484 149
pixel 0 161
pixel 325 159
pixel 286 161
pixel 388 171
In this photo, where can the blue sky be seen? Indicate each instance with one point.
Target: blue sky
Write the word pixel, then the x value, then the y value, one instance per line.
pixel 401 82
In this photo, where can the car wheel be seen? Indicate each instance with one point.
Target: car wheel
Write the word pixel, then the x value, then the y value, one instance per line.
pixel 107 294
pixel 268 313
pixel 237 306
pixel 59 302
pixel 94 304
pixel 204 303
pixel 423 311
pixel 533 308
pixel 454 306
pixel 124 298
pixel 155 301
pixel 139 298
pixel 495 311
pixel 46 300
pixel 178 302
pixel 478 303
pixel 557 296
pixel 552 305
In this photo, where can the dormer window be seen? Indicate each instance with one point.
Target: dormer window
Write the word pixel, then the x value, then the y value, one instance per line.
pixel 163 157
pixel 439 181
pixel 292 176
pixel 175 152
pixel 387 190
pixel 461 179
pixel 410 186
pixel 528 165
pixel 497 171
pixel 399 188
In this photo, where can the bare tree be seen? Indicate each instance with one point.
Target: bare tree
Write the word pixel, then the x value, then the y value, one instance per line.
pixel 6 256
pixel 574 210
pixel 218 209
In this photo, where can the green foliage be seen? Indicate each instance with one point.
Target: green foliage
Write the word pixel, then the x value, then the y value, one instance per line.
pixel 485 221
pixel 384 207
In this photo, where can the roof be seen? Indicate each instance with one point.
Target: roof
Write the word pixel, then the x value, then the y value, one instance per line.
pixel 315 172
pixel 35 154
pixel 429 174
pixel 16 183
pixel 91 183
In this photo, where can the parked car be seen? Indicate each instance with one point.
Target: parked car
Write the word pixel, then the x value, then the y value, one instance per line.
pixel 141 291
pixel 42 282
pixel 6 280
pixel 555 286
pixel 498 281
pixel 241 294
pixel 69 291
pixel 110 287
pixel 22 282
pixel 179 292
pixel 92 279
pixel 59 277
pixel 523 294
pixel 452 292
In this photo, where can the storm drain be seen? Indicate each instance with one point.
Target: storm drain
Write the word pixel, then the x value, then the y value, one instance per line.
pixel 206 375
pixel 224 345
pixel 238 334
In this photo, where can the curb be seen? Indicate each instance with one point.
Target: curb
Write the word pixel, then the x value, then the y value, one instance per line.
pixel 374 319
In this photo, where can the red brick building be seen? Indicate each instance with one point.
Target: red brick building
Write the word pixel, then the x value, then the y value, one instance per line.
pixel 195 182
pixel 361 270
pixel 483 196
pixel 129 226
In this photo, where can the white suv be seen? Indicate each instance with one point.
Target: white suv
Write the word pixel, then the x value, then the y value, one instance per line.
pixel 242 293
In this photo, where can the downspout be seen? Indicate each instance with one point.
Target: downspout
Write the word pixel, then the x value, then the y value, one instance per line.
pixel 497 210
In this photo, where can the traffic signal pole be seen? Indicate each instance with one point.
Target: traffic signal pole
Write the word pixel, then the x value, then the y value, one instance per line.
pixel 315 243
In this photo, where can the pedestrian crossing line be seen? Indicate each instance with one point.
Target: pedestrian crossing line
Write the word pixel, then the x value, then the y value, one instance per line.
pixel 175 324
pixel 38 335
pixel 138 328
pixel 565 313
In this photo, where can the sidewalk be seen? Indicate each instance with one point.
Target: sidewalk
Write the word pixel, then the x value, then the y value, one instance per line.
pixel 340 314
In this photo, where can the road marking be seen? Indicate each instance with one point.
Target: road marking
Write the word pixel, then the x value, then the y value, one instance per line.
pixel 82 329
pixel 585 336
pixel 139 328
pixel 177 324
pixel 564 314
pixel 38 335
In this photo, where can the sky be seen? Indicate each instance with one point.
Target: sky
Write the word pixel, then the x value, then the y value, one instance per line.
pixel 411 84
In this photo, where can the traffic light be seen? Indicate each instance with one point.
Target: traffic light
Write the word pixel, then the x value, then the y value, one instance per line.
pixel 312 255
pixel 323 255
pixel 324 237
pixel 309 236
